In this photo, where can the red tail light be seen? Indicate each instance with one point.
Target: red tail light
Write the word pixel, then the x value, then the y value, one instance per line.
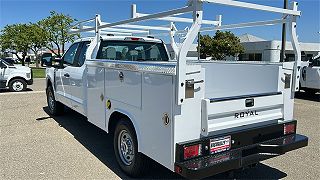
pixel 192 151
pixel 177 169
pixel 289 129
pixel 133 39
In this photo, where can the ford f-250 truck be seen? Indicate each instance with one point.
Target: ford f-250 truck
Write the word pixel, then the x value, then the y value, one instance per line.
pixel 14 77
pixel 197 118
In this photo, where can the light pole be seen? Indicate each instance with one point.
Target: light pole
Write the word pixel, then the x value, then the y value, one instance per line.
pixel 284 35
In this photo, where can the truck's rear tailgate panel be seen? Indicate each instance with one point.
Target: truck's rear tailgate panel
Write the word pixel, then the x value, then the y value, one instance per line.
pixel 233 113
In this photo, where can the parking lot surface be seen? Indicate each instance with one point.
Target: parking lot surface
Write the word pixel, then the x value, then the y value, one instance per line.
pixel 34 145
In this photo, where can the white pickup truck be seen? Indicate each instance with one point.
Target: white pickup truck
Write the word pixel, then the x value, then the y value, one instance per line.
pixel 310 76
pixel 196 118
pixel 14 76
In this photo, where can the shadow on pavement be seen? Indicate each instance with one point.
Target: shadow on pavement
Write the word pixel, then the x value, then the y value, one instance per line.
pixel 8 91
pixel 100 144
pixel 307 96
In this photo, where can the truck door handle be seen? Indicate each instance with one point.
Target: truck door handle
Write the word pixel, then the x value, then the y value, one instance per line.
pixel 67 75
pixel 190 83
pixel 121 76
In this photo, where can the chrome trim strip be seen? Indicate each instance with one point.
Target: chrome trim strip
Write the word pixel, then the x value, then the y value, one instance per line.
pixel 243 96
pixel 162 68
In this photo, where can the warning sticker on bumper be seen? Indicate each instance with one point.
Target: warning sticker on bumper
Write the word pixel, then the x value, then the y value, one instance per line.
pixel 220 144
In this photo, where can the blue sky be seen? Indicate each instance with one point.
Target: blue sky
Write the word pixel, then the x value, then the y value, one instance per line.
pixel 24 11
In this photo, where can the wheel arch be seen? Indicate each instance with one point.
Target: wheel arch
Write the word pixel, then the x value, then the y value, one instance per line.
pixel 15 77
pixel 114 119
pixel 48 82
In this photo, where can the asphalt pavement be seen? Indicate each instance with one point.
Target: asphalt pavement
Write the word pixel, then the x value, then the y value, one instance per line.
pixel 34 145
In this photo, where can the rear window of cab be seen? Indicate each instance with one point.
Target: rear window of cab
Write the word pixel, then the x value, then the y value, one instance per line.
pixel 132 51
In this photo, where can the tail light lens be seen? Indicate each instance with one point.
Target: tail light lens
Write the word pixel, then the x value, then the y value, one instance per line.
pixel 133 39
pixel 289 129
pixel 177 169
pixel 191 151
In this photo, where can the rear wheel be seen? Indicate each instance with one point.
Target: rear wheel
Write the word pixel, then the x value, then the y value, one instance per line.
pixel 55 107
pixel 17 85
pixel 125 146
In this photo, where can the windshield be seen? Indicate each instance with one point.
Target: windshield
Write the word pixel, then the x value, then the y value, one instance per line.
pixel 6 63
pixel 132 51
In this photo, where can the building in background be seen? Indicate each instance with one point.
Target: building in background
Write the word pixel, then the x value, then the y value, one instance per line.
pixel 258 49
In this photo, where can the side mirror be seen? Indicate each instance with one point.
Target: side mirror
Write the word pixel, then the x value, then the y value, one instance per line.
pixel 58 62
pixel 47 61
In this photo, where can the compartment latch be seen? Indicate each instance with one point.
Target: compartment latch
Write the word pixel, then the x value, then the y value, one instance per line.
pixel 190 87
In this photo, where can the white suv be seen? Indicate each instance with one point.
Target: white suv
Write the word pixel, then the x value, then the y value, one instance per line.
pixel 15 77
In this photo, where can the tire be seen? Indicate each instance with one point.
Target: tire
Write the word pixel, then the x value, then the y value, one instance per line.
pixel 55 108
pixel 311 91
pixel 17 85
pixel 129 159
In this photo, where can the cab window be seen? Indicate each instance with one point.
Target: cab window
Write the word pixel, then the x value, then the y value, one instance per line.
pixel 82 55
pixel 132 51
pixel 70 55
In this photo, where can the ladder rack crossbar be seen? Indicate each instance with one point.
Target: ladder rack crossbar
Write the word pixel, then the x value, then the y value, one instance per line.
pixel 180 19
pixel 245 25
pixel 254 6
pixel 195 7
pixel 149 17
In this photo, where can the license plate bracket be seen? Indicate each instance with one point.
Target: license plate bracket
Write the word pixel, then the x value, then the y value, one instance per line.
pixel 220 144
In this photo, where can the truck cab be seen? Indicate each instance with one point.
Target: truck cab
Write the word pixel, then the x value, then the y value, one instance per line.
pixel 70 78
pixel 14 77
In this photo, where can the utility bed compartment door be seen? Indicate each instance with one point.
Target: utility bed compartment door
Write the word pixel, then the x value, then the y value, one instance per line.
pixel 225 79
pixel 124 86
pixel 225 114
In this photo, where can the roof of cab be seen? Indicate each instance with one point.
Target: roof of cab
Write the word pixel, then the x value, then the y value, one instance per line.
pixel 120 38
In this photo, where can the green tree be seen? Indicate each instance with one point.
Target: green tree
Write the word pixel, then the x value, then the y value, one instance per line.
pixel 14 39
pixel 37 37
pixel 220 46
pixel 56 27
pixel 205 46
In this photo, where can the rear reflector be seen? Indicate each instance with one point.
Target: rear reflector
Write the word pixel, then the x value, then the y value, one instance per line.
pixel 191 151
pixel 177 169
pixel 289 129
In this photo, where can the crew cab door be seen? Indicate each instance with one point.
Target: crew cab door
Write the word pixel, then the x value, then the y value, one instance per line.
pixel 77 80
pixel 63 89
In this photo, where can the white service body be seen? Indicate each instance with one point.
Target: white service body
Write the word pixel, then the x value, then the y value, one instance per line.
pixel 173 103
pixel 147 92
pixel 310 76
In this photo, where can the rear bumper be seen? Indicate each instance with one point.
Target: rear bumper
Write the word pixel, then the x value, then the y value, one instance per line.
pixel 239 157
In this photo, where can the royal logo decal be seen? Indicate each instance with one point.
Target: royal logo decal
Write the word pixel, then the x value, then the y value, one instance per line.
pixel 245 114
